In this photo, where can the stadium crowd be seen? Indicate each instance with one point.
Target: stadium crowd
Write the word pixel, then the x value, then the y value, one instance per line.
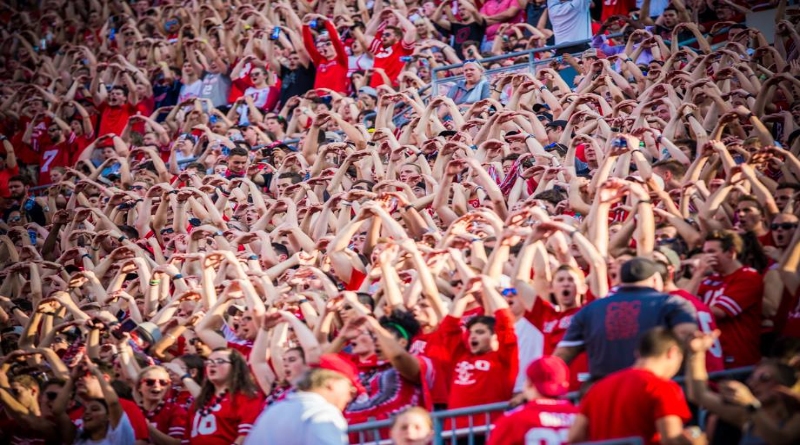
pixel 233 221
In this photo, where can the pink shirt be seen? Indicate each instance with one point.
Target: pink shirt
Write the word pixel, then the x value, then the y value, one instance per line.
pixel 494 7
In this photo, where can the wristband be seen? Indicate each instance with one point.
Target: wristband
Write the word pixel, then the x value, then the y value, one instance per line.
pixel 253 257
pixel 408 207
pixel 543 87
pixel 177 276
pixel 750 115
pixel 172 192
pixel 644 201
pixel 185 376
pixel 122 238
pixel 302 301
pixel 13 308
pixel 218 233
pixel 155 282
pixel 86 255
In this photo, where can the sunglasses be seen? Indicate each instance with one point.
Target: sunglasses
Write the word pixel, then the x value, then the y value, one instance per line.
pixel 136 187
pixel 784 226
pixel 167 231
pixel 509 292
pixel 152 382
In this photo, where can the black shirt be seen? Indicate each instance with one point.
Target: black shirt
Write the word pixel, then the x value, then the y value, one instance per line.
pixel 296 82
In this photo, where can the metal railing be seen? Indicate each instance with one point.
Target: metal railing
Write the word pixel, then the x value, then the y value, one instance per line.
pixel 479 419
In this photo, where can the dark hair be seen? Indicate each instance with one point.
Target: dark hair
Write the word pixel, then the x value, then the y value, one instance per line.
pixel 239 380
pixel 656 342
pixel 294 176
pixel 280 249
pixel 754 200
pixel 552 196
pixel 402 324
pixel 785 374
pixel 238 151
pixel 19 178
pixel 194 362
pixel 366 299
pixel 788 185
pixel 752 254
pixel 122 88
pixel 486 320
pixel 728 238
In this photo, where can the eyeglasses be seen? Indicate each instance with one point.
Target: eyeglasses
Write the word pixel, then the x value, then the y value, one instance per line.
pixel 216 361
pixel 387 34
pixel 255 73
pixel 152 382
pixel 15 219
pixel 59 340
pixel 323 44
pixel 51 395
pixel 783 226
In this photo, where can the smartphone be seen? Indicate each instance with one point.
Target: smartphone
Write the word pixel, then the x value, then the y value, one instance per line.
pixel 213 119
pixel 276 33
pixel 406 59
pixel 313 24
pixel 328 99
pixel 32 235
pixel 126 326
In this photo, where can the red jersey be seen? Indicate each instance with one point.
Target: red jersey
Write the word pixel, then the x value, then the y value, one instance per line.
pixel 554 325
pixel 616 7
pixel 38 134
pixel 788 318
pixel 539 421
pixel 244 348
pixel 388 392
pixel 425 345
pixel 705 319
pixel 138 422
pixel 224 420
pixel 114 119
pixel 169 418
pixel 331 74
pixel 389 60
pixel 483 378
pixel 62 154
pixel 641 396
pixel 739 295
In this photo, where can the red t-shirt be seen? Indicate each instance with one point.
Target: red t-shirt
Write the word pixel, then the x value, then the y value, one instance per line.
pixel 628 403
pixel 245 348
pixel 229 418
pixel 62 154
pixel 425 345
pixel 788 318
pixel 705 319
pixel 114 119
pixel 169 418
pixel 5 176
pixel 138 421
pixel 485 378
pixel 389 60
pixel 541 421
pixel 554 325
pixel 739 295
pixel 331 74
pixel 616 7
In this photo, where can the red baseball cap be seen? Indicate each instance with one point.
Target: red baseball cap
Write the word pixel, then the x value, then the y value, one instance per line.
pixel 549 375
pixel 336 363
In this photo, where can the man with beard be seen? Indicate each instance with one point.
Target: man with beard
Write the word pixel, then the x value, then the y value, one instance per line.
pixel 32 208
pixel 392 44
pixel 734 293
pixel 60 151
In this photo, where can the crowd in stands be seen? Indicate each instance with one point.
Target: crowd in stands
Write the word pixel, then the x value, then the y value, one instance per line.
pixel 211 210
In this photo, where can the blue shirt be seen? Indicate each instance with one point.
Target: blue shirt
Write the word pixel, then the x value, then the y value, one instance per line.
pixel 609 329
pixel 303 418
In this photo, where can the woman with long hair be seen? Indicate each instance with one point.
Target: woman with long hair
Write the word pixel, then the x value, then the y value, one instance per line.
pixel 228 403
pixel 166 420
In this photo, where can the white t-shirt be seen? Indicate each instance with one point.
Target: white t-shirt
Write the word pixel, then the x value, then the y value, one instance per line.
pixel 570 19
pixel 530 345
pixel 121 435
